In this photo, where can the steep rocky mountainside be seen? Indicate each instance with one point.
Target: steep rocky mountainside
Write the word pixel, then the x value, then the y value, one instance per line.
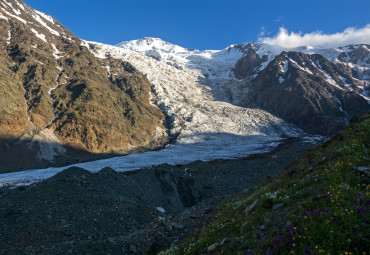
pixel 308 90
pixel 56 95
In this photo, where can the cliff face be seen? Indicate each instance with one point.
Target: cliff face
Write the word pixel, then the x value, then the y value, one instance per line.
pixel 53 87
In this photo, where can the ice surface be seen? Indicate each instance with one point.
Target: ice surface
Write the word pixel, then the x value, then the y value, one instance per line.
pixel 225 146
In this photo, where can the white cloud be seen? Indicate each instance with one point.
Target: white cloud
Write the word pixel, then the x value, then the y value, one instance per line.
pixel 318 39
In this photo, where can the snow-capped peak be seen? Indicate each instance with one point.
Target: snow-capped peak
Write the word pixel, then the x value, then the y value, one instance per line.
pixel 150 43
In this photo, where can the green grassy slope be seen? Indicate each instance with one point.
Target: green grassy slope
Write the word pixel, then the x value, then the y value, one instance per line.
pixel 318 205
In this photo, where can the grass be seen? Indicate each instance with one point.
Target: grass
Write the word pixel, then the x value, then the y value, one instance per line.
pixel 318 205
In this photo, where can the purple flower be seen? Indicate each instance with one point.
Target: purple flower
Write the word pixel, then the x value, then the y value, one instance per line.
pixel 360 209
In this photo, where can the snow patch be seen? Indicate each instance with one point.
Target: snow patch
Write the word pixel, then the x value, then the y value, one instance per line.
pixel 16 11
pixel 365 95
pixel 328 78
pixel 2 16
pixel 41 36
pixel 50 146
pixel 300 67
pixel 340 105
pixel 16 17
pixel 20 5
pixel 344 80
pixel 281 80
pixel 45 16
pixel 9 37
pixel 39 19
pixel 56 52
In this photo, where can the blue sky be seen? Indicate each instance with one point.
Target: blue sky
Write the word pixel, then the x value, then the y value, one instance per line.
pixel 202 24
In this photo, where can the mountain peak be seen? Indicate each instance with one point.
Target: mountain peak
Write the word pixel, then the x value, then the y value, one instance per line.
pixel 151 43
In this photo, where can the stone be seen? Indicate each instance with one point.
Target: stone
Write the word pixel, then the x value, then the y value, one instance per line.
pixel 277 206
pixel 168 227
pixel 112 240
pixel 362 169
pixel 244 226
pixel 224 241
pixel 213 247
pixel 133 248
pixel 207 210
pixel 261 225
pixel 194 216
pixel 161 209
pixel 251 207
pixel 179 226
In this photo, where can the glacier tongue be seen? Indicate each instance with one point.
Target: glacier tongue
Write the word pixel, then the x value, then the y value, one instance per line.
pixel 188 97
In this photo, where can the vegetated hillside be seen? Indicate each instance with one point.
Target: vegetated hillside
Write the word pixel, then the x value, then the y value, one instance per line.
pixel 319 205
pixel 54 92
